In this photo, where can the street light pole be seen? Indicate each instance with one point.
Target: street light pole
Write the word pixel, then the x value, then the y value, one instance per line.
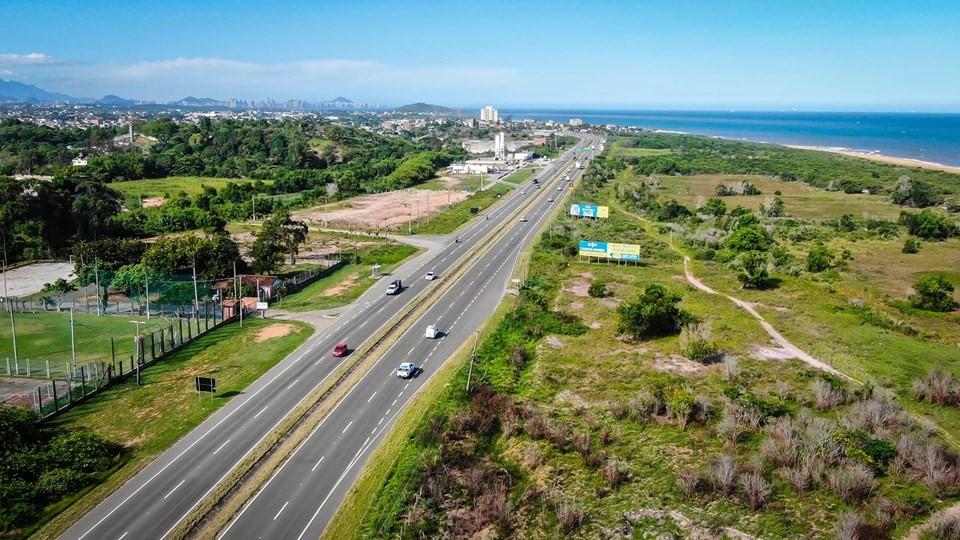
pixel 73 341
pixel 137 347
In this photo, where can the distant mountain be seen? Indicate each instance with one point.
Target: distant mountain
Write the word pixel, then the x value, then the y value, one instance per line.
pixel 116 101
pixel 424 108
pixel 16 92
pixel 191 101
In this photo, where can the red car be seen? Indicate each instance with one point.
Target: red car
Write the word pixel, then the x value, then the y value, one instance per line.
pixel 341 349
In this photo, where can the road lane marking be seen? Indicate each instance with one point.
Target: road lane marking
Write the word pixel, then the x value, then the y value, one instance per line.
pixel 381 420
pixel 371 396
pixel 219 448
pixel 318 463
pixel 261 412
pixel 295 381
pixel 364 323
pixel 174 489
pixel 411 350
pixel 281 510
pixel 124 535
pixel 346 428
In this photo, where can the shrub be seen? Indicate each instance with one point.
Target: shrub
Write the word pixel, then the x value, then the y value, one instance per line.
pixel 598 289
pixel 852 483
pixel 819 258
pixel 945 526
pixel 826 394
pixel 723 474
pixel 570 516
pixel 852 527
pixel 755 489
pixel 532 455
pixel 614 472
pixel 933 293
pixel 695 338
pixel 654 313
pixel 56 483
pixel 911 245
pixel 939 387
pixel 928 225
pixel 749 238
pixel 690 481
pixel 753 269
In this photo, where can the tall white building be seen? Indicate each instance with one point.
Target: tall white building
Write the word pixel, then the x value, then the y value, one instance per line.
pixel 489 114
pixel 499 145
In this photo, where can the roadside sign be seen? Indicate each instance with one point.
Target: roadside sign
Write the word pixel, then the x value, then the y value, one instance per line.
pixel 206 384
pixel 262 305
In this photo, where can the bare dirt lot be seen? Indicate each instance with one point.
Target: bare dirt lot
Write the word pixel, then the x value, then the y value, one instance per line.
pixel 30 279
pixel 390 209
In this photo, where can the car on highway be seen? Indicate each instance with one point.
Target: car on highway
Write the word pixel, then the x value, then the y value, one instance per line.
pixel 341 349
pixel 559 188
pixel 523 219
pixel 430 276
pixel 549 199
pixel 523 192
pixel 433 332
pixel 394 287
pixel 406 370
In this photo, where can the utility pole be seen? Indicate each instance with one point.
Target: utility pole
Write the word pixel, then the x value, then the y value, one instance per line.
pixel 146 284
pixel 73 341
pixel 253 199
pixel 196 298
pixel 6 302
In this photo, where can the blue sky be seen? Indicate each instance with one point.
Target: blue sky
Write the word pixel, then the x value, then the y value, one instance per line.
pixel 744 54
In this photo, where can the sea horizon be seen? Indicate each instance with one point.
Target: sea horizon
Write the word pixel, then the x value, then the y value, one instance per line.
pixel 924 136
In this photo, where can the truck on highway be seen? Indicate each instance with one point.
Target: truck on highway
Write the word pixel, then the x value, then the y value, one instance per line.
pixel 578 164
pixel 394 287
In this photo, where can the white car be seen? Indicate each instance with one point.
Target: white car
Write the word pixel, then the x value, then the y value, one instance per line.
pixel 523 220
pixel 430 276
pixel 432 332
pixel 406 370
pixel 549 199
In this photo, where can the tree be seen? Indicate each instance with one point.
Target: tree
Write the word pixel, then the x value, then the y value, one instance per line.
pixel 714 207
pixel 753 272
pixel 654 313
pixel 279 235
pixel 133 279
pixel 59 288
pixel 934 293
pixel 775 209
pixel 928 225
pixel 749 238
pixel 93 207
pixel 213 255
pixel 819 258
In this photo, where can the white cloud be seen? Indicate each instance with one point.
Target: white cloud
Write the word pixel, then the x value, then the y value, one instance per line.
pixel 30 59
pixel 309 79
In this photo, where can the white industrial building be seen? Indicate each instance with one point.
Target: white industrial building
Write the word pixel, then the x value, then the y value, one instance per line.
pixel 499 145
pixel 489 114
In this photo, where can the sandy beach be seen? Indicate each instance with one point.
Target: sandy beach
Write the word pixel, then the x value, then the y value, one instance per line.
pixel 906 162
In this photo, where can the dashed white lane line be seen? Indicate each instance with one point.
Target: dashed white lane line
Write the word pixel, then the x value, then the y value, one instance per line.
pixel 124 535
pixel 169 493
pixel 394 402
pixel 317 464
pixel 411 349
pixel 381 420
pixel 281 510
pixel 219 448
pixel 295 381
pixel 346 428
pixel 317 363
pixel 405 387
pixel 371 396
pixel 261 411
pixel 364 323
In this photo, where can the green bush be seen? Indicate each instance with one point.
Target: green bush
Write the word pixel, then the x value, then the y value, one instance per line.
pixel 933 293
pixel 598 289
pixel 911 245
pixel 654 313
pixel 819 258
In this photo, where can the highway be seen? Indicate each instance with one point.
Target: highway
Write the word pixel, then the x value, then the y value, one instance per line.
pixel 304 493
pixel 159 497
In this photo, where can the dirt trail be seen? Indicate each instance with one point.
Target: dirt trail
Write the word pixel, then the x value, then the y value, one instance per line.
pixel 777 336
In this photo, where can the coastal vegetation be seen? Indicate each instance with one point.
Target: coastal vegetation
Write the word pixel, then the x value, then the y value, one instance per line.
pixel 625 401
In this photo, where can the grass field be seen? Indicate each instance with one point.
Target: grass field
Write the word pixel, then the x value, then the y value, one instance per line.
pixel 619 147
pixel 458 214
pixel 348 282
pixel 149 418
pixel 171 185
pixel 802 200
pixel 45 336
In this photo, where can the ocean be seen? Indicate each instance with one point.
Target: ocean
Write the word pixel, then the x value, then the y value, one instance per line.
pixel 931 137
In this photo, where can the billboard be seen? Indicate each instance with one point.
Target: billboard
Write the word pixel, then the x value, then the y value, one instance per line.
pixel 610 250
pixel 589 210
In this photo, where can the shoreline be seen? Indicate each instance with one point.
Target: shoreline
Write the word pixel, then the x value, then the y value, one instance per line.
pixel 893 160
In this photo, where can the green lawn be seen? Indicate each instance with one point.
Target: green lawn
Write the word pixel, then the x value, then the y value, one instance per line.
pixel 348 282
pixel 171 185
pixel 458 214
pixel 149 418
pixel 45 336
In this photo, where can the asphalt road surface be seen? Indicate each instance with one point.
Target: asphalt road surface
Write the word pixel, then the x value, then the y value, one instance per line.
pixel 303 495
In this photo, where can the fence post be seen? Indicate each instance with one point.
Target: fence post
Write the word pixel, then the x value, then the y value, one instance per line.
pixel 113 351
pixel 163 347
pixel 53 387
pixel 47 364
pixel 206 316
pixel 40 402
pixel 83 381
pixel 180 324
pixel 189 332
pixel 68 372
pixel 8 366
pixel 153 348
pixel 16 365
pixel 29 372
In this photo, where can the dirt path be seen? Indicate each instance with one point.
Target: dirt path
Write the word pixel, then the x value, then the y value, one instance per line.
pixel 777 336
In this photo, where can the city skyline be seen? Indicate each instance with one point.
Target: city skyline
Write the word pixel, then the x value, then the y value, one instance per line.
pixel 689 55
